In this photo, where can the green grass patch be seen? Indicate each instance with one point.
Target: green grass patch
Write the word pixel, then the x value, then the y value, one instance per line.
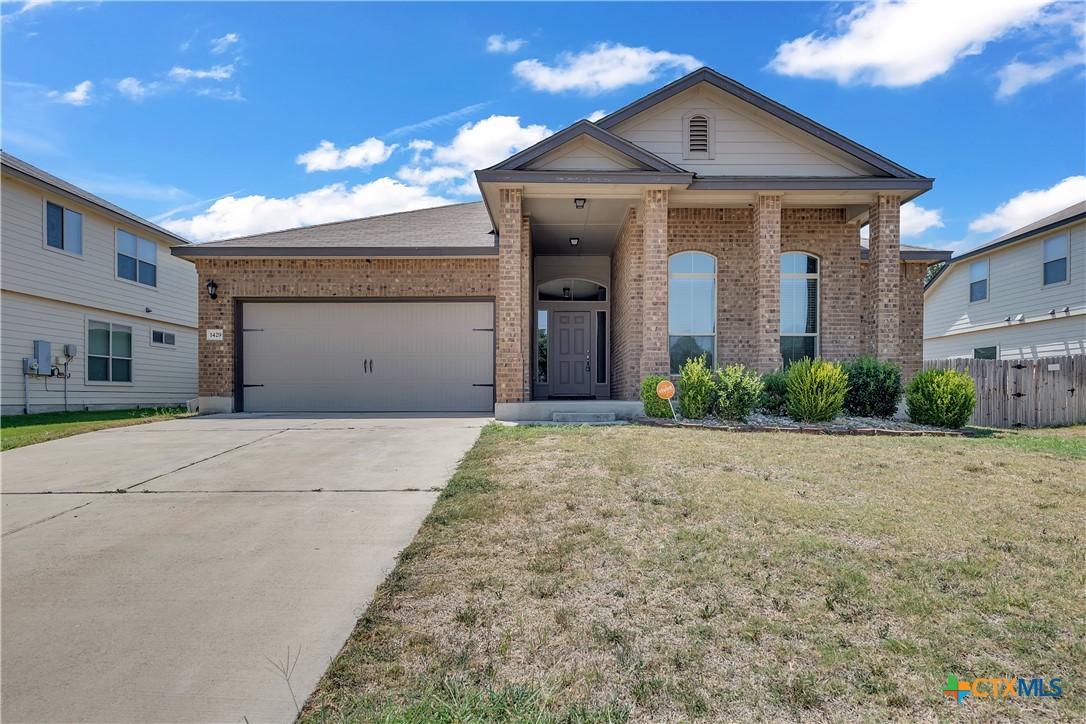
pixel 1063 441
pixel 20 430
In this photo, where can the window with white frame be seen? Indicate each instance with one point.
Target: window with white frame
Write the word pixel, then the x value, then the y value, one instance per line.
pixel 1055 260
pixel 137 259
pixel 63 229
pixel 165 339
pixel 691 307
pixel 799 306
pixel 978 281
pixel 109 352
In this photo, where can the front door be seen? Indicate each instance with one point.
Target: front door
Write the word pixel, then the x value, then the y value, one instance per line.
pixel 571 364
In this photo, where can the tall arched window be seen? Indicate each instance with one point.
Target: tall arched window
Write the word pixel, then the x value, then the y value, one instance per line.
pixel 799 306
pixel 691 307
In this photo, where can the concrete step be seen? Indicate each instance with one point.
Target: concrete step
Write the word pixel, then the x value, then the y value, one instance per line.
pixel 567 418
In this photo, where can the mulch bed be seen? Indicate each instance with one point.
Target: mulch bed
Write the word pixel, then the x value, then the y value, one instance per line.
pixel 850 426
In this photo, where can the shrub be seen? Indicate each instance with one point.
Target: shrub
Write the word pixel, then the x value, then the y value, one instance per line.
pixel 874 388
pixel 654 406
pixel 816 390
pixel 697 393
pixel 737 391
pixel 944 398
pixel 774 392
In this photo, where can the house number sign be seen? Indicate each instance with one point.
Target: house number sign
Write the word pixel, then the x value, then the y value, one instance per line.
pixel 215 335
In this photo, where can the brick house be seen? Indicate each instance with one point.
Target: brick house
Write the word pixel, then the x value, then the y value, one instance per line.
pixel 703 218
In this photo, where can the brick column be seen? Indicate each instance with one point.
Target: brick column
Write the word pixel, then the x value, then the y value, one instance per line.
pixel 884 277
pixel 652 213
pixel 509 320
pixel 767 282
pixel 527 318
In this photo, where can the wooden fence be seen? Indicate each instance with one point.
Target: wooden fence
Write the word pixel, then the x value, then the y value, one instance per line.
pixel 1024 393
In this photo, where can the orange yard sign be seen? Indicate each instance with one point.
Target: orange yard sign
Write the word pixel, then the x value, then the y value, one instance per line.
pixel 665 390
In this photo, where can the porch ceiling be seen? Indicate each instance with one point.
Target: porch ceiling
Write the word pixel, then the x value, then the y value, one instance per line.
pixel 556 219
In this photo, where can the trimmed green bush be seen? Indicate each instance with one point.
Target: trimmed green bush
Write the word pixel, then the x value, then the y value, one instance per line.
pixel 654 406
pixel 944 398
pixel 874 388
pixel 774 392
pixel 816 390
pixel 737 391
pixel 697 391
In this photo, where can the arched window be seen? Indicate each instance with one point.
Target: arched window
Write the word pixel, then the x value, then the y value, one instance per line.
pixel 691 307
pixel 799 306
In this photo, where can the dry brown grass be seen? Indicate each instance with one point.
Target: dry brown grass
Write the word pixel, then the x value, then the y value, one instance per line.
pixel 600 574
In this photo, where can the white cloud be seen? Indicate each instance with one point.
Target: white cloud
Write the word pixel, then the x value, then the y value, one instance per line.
pixel 899 43
pixel 326 157
pixel 604 68
pixel 78 96
pixel 1015 76
pixel 232 216
pixel 596 115
pixel 1030 206
pixel 218 72
pixel 221 45
pixel 915 219
pixel 438 120
pixel 221 94
pixel 24 9
pixel 498 44
pixel 475 146
pixel 133 89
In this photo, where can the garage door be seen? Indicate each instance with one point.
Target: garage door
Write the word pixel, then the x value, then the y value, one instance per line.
pixel 368 357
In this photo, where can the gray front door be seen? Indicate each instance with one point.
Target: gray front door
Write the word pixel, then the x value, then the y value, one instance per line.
pixel 571 362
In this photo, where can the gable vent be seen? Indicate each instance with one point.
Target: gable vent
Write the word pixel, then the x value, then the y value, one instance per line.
pixel 699 135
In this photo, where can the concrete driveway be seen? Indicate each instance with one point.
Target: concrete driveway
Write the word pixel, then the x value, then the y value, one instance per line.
pixel 150 573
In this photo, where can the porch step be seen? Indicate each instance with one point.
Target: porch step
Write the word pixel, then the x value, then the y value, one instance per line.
pixel 578 417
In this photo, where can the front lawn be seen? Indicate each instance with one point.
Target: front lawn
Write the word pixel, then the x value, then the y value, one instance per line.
pixel 20 430
pixel 631 573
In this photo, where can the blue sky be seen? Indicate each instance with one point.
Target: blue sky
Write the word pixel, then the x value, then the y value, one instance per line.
pixel 220 119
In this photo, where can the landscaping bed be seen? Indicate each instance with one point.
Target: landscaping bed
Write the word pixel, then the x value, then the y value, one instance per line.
pixel 842 425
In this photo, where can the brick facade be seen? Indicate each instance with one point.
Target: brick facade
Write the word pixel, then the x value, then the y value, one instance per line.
pixel 627 282
pixel 884 276
pixel 652 213
pixel 254 278
pixel 510 361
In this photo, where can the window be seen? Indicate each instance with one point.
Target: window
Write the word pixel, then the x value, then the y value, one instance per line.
pixel 63 229
pixel 978 281
pixel 799 307
pixel 167 339
pixel 691 308
pixel 985 353
pixel 571 290
pixel 109 352
pixel 698 135
pixel 1055 260
pixel 541 347
pixel 137 259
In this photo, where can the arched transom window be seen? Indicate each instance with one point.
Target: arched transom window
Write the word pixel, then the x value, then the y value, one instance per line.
pixel 799 306
pixel 691 307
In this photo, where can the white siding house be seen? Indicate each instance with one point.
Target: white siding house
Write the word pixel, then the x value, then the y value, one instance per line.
pixel 1022 296
pixel 77 270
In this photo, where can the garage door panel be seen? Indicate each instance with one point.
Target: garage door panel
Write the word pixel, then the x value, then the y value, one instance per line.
pixel 426 356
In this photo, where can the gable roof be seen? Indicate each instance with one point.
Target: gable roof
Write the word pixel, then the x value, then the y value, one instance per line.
pixel 740 91
pixel 590 129
pixel 453 230
pixel 1064 217
pixel 22 170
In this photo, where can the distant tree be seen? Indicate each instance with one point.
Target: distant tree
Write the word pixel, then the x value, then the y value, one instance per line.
pixel 933 270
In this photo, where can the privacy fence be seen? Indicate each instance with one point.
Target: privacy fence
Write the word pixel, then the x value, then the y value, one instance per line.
pixel 1024 393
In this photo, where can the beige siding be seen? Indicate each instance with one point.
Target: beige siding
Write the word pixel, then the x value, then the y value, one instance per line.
pixel 1015 286
pixel 747 141
pixel 160 375
pixel 583 155
pixel 29 267
pixel 1053 338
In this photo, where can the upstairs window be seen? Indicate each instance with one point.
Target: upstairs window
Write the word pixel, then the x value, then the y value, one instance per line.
pixel 698 135
pixel 1055 260
pixel 978 281
pixel 137 259
pixel 63 229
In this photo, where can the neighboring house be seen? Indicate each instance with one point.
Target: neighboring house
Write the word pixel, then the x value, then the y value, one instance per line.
pixel 702 218
pixel 77 270
pixel 1021 296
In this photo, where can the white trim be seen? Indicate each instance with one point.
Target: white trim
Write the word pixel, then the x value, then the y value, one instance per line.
pixel 1066 256
pixel 987 281
pixel 45 201
pixel 161 345
pixel 105 319
pixel 117 252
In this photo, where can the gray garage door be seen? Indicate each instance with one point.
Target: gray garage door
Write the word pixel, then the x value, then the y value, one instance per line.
pixel 368 357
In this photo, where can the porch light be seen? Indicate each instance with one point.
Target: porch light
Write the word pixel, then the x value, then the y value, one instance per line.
pixel 212 289
pixel 565 293
pixel 579 203
pixel 574 240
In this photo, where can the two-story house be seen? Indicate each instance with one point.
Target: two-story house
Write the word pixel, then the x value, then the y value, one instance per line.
pixel 95 312
pixel 1021 296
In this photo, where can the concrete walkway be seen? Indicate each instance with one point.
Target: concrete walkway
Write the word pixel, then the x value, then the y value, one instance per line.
pixel 150 573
